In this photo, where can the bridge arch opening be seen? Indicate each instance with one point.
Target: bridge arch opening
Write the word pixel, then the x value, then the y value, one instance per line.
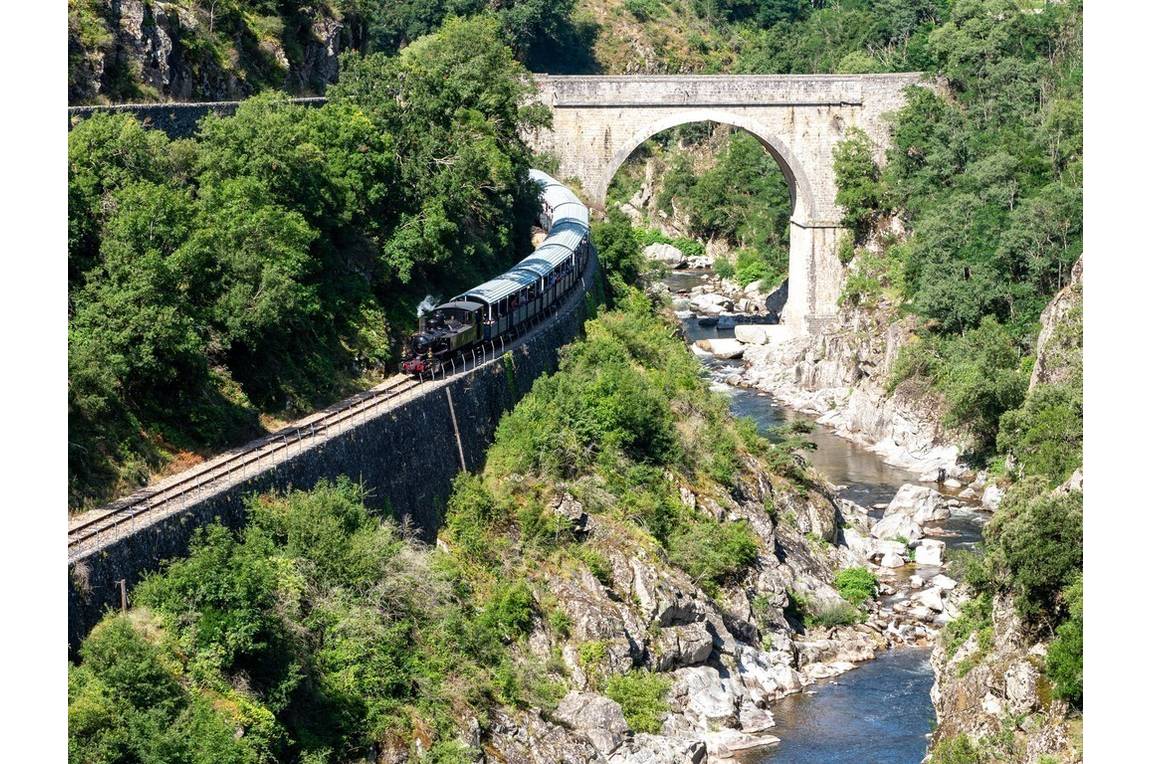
pixel 799 187
pixel 722 186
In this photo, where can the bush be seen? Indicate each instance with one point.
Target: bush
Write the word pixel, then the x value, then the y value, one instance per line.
pixel 838 614
pixel 1065 662
pixel 856 585
pixel 724 268
pixel 1046 434
pixel 975 616
pixel 1035 549
pixel 955 750
pixel 642 697
pixel 812 615
pixel 714 552
pixel 981 374
pixel 858 185
pixel 618 248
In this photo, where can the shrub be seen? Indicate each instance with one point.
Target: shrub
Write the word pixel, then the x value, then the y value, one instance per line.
pixel 837 614
pixel 597 563
pixel 856 584
pixel 1046 434
pixel 592 654
pixel 975 615
pixel 508 614
pixel 618 249
pixel 768 265
pixel 713 552
pixel 858 185
pixel 724 268
pixel 1036 549
pixel 642 697
pixel 955 750
pixel 813 615
pixel 1065 662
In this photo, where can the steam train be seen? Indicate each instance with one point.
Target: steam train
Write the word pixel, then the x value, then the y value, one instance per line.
pixel 506 304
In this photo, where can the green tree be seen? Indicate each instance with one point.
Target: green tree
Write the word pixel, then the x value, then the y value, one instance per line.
pixel 858 187
pixel 1065 661
pixel 1035 548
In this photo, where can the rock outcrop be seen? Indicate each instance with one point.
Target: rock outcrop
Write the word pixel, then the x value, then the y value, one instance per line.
pixel 726 656
pixel 992 691
pixel 142 50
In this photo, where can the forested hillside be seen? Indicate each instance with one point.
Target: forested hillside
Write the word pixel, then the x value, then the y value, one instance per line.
pixel 709 188
pixel 205 50
pixel 270 265
pixel 220 49
pixel 967 230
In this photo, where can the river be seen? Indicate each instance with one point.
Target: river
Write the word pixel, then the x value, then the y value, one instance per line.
pixel 881 712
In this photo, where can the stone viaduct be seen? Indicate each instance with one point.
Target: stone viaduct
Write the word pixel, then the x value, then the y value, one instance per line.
pixel 599 121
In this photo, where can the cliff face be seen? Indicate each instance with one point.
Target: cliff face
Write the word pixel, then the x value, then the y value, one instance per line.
pixel 141 50
pixel 840 375
pixel 1058 346
pixel 991 691
pixel 725 655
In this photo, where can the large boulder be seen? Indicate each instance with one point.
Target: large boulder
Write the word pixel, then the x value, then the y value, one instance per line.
pixel 897 527
pixel 890 560
pixel 921 503
pixel 596 717
pixel 930 552
pixel 722 348
pixel 752 334
pixel 931 598
pixel 858 543
pixel 666 254
pixel 711 304
pixel 992 496
pixel 706 700
pixel 658 749
pixel 679 646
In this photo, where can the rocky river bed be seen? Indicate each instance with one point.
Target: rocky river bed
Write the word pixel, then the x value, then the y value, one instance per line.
pixel 902 520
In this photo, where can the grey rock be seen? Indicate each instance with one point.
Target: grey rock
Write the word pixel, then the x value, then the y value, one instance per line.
pixel 596 717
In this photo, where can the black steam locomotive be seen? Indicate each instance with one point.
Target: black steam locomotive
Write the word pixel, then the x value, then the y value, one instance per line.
pixel 503 305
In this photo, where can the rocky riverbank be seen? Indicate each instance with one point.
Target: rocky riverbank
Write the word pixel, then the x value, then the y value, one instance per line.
pixel 991 690
pixel 728 655
pixel 839 375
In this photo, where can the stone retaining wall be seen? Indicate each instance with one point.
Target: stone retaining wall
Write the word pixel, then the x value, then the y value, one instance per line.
pixel 406 456
pixel 178 120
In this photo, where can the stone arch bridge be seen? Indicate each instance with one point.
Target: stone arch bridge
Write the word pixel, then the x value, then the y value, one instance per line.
pixel 598 121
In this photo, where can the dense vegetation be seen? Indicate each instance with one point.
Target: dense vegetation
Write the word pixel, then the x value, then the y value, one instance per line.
pixel 320 633
pixel 714 184
pixel 234 48
pixel 271 264
pixel 988 176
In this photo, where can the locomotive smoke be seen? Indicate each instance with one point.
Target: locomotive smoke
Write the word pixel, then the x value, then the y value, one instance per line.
pixel 427 304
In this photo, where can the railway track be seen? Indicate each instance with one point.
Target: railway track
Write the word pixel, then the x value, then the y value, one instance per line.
pixel 172 494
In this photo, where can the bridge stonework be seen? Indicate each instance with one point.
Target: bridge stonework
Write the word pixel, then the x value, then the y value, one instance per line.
pixel 598 121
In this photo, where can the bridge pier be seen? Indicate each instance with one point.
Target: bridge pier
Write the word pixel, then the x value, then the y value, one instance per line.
pixel 815 274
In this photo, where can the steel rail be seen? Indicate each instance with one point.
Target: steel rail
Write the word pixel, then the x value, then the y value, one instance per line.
pixel 316 425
